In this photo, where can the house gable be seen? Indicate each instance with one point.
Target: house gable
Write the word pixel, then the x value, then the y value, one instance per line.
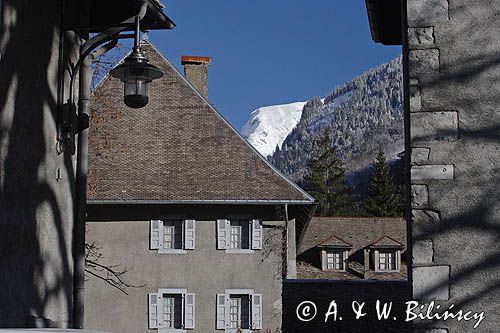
pixel 176 149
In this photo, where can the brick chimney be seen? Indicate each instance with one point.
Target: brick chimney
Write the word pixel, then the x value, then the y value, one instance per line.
pixel 196 72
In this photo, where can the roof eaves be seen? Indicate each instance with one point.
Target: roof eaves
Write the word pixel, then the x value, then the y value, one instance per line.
pixel 198 202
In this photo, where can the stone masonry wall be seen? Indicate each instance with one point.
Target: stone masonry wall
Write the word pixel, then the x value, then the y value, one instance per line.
pixel 454 106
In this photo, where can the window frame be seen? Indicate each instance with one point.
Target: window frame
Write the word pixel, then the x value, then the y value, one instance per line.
pixel 394 254
pixel 182 220
pixel 241 292
pixel 183 293
pixel 344 255
pixel 253 232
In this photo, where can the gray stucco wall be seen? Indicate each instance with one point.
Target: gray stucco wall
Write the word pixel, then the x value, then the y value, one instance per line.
pixel 204 271
pixel 455 138
pixel 36 209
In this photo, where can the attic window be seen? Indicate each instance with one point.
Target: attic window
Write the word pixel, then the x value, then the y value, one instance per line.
pixel 335 260
pixel 387 260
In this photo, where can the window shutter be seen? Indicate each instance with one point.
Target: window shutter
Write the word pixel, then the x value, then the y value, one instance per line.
pixel 257 311
pixel 324 256
pixel 189 234
pixel 256 235
pixel 154 312
pixel 189 311
pixel 222 311
pixel 156 235
pixel 222 234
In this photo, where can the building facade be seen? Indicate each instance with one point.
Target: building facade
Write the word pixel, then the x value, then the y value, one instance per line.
pixel 203 225
pixel 450 51
pixel 36 207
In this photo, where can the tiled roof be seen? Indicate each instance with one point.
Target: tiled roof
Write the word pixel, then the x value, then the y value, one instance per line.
pixel 358 231
pixel 386 242
pixel 306 270
pixel 361 233
pixel 176 149
pixel 334 241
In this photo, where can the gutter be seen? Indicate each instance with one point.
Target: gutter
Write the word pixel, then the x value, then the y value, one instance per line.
pixel 200 202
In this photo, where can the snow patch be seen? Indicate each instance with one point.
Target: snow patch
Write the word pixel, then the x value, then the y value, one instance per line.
pixel 269 126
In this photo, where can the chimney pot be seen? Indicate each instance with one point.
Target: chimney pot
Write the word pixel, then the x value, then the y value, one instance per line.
pixel 196 72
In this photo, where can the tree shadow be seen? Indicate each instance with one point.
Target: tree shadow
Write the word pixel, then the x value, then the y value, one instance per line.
pixel 36 209
pixel 468 236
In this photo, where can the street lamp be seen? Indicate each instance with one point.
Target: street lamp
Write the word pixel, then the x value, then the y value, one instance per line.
pixel 136 74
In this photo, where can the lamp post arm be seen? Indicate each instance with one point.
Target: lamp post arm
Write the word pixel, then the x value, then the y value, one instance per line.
pixel 109 34
pixel 84 67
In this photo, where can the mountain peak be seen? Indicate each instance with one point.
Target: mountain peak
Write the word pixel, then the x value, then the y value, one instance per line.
pixel 268 126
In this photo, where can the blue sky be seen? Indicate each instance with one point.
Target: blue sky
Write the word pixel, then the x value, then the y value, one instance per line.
pixel 269 52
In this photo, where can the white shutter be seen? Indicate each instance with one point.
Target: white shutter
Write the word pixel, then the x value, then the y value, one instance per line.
pixel 189 234
pixel 156 235
pixel 223 234
pixel 154 313
pixel 189 311
pixel 257 311
pixel 222 311
pixel 256 235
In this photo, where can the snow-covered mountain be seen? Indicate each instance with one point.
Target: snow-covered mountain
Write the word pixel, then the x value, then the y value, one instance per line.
pixel 268 126
pixel 362 115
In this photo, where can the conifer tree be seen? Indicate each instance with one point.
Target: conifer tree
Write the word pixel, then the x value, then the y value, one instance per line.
pixel 384 196
pixel 326 181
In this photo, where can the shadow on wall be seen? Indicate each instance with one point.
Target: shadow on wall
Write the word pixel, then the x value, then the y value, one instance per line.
pixel 467 237
pixel 35 209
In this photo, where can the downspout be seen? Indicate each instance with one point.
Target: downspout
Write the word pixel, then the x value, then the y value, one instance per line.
pixel 85 82
pixel 287 254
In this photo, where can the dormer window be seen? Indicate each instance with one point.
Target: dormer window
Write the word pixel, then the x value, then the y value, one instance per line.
pixel 334 253
pixel 386 254
pixel 387 260
pixel 335 260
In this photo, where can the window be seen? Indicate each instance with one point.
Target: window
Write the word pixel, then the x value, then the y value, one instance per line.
pixel 239 235
pixel 239 309
pixel 387 260
pixel 172 310
pixel 172 235
pixel 334 259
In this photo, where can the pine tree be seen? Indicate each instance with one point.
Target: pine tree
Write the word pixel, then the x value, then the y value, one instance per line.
pixel 384 196
pixel 326 181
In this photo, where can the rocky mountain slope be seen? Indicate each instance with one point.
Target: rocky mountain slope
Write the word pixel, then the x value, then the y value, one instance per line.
pixel 362 115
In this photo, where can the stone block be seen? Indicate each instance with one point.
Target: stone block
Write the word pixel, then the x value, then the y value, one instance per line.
pixel 425 222
pixel 432 172
pixel 423 62
pixel 415 98
pixel 419 196
pixel 427 12
pixel 431 126
pixel 421 37
pixel 431 283
pixel 423 251
pixel 420 154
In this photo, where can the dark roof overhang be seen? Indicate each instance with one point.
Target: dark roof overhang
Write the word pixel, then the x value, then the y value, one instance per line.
pixel 97 15
pixel 385 21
